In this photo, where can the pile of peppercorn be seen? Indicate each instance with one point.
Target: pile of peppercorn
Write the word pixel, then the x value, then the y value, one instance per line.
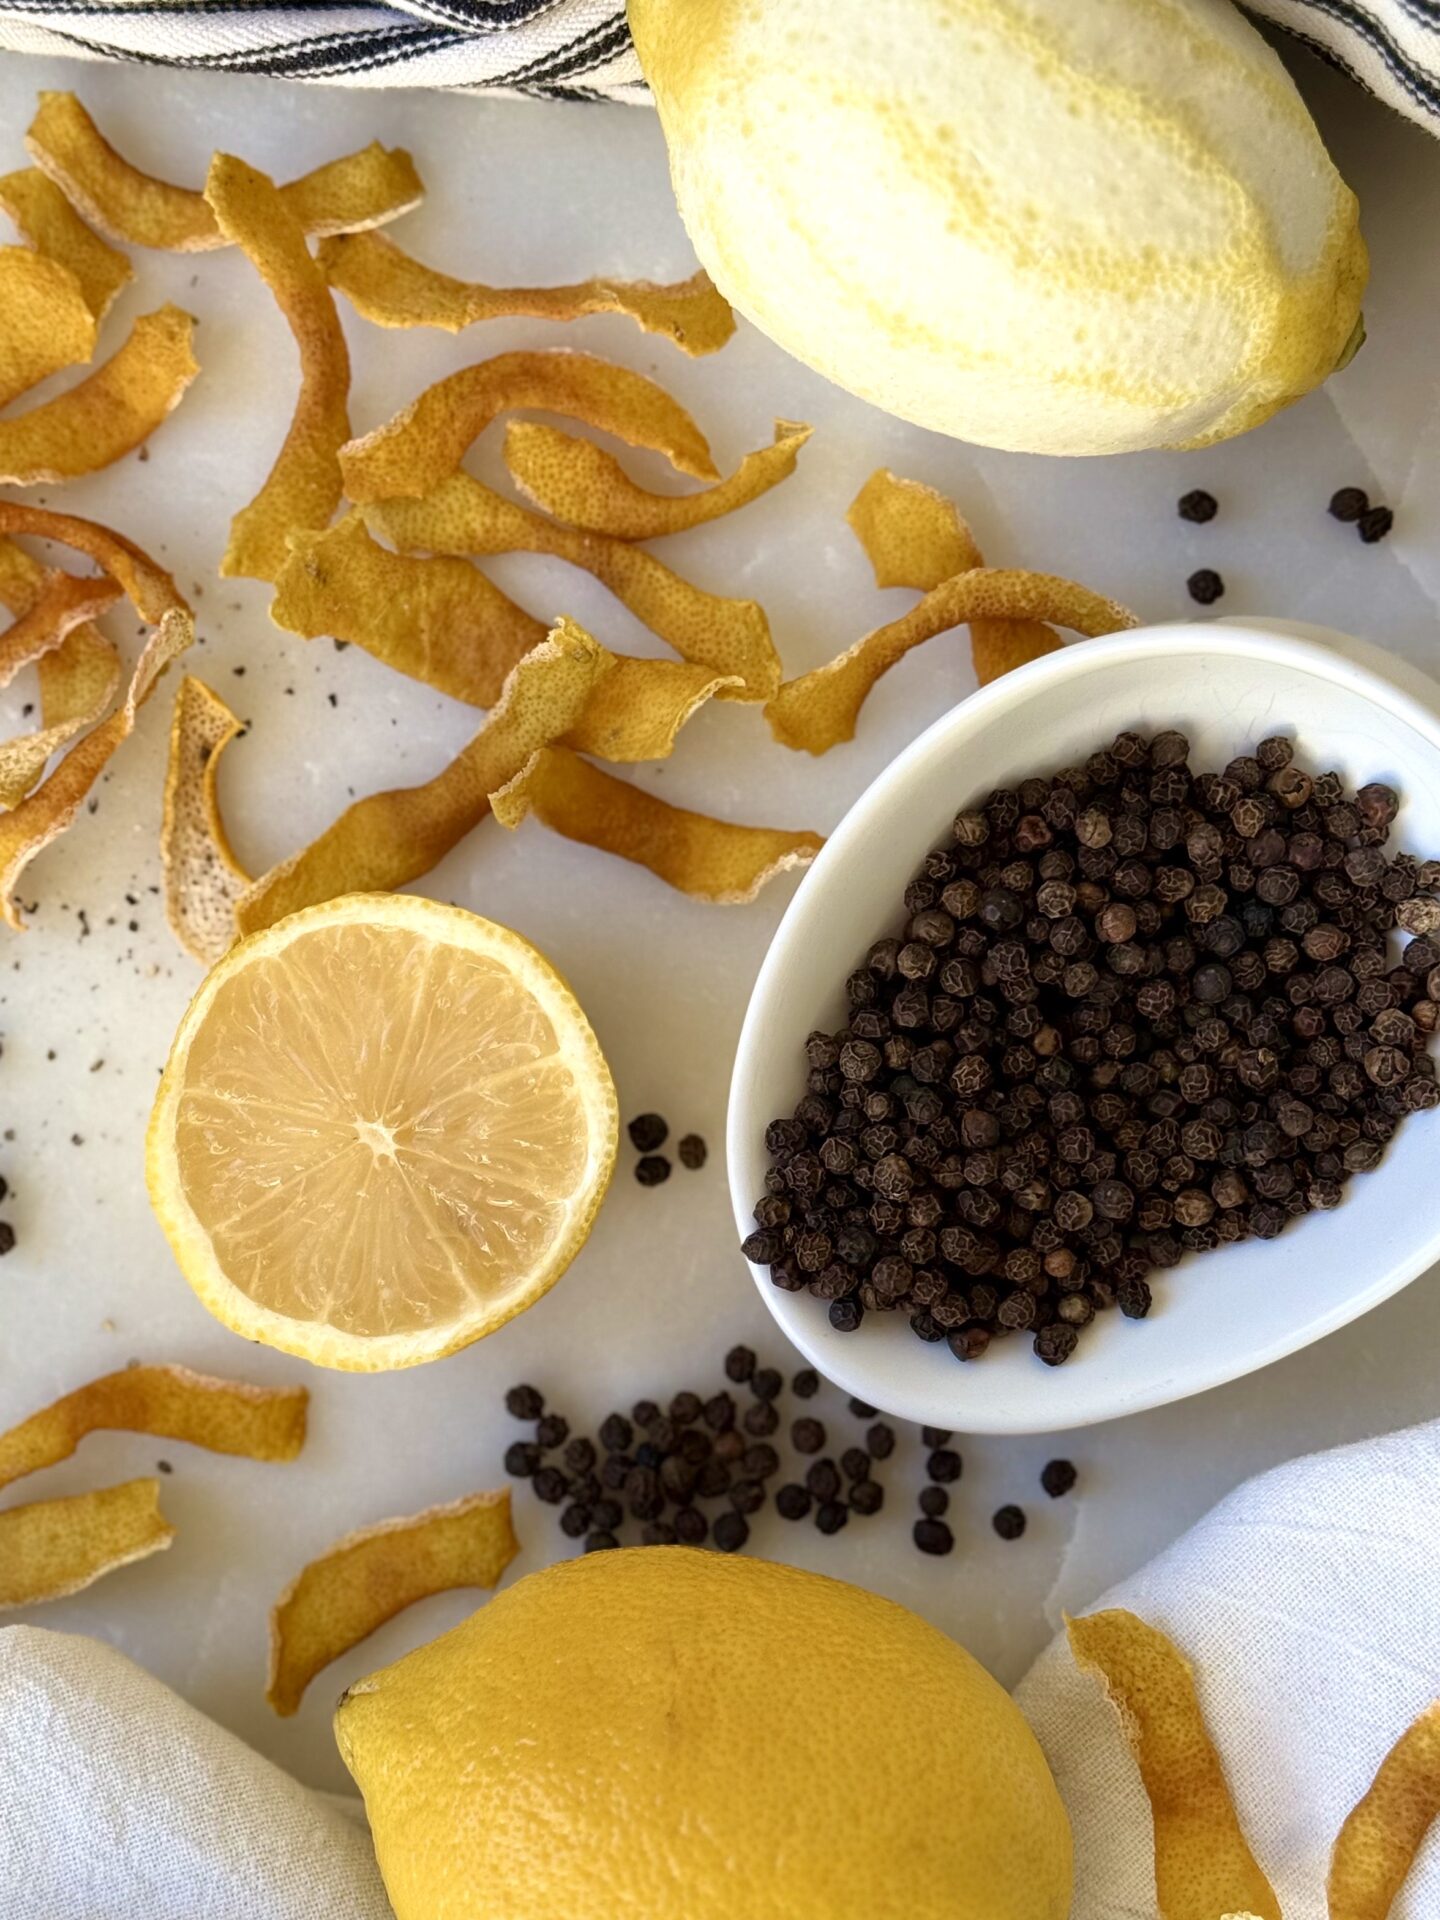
pixel 661 1468
pixel 1131 1012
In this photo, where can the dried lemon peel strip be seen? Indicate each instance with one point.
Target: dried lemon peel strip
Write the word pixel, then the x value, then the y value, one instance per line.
pixel 44 814
pixel 302 489
pixel 1376 1846
pixel 912 535
pixel 63 603
pixel 77 683
pixel 708 859
pixel 109 413
pixel 169 1403
pixel 1204 1869
pixel 586 487
pixel 50 1548
pixel 916 537
pixel 732 637
pixel 373 1574
pixel 386 840
pixel 820 709
pixel 393 289
pixel 359 190
pixel 437 619
pixel 203 880
pixel 52 226
pixel 45 321
pixel 637 707
pixel 425 443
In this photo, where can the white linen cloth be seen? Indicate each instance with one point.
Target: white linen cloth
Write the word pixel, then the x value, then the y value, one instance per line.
pixel 1308 1603
pixel 120 1802
pixel 578 49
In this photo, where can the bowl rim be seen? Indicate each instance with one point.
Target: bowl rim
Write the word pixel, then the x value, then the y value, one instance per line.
pixel 1382 680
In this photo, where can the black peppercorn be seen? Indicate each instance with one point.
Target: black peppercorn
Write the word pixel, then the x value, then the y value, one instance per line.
pixel 1198 506
pixel 1008 1522
pixel 1349 503
pixel 524 1403
pixel 1205 585
pixel 932 1536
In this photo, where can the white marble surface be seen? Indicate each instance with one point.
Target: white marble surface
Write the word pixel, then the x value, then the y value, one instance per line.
pixel 517 191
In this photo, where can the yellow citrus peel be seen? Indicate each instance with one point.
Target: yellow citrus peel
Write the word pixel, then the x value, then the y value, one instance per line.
pixel 45 322
pixel 202 878
pixel 706 858
pixel 393 289
pixel 1377 1845
pixel 170 1403
pixel 819 710
pixel 359 190
pixel 1204 1869
pixel 426 442
pixel 53 228
pixel 369 1576
pixel 109 413
pixel 64 601
pixel 586 487
pixel 50 1548
pixel 438 619
pixel 461 516
pixel 386 840
pixel 78 679
pixel 48 811
pixel 303 487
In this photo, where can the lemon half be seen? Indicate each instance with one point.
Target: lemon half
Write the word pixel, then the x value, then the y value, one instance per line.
pixel 384 1129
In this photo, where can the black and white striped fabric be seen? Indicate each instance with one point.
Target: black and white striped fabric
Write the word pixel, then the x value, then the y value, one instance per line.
pixel 576 49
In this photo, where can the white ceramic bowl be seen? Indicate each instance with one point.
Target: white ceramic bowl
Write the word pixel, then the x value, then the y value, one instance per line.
pixel 1220 1314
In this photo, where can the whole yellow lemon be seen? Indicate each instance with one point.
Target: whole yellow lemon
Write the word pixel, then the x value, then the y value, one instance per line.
pixel 1055 226
pixel 667 1734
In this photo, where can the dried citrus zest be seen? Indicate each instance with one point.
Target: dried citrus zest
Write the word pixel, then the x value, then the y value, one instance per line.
pixel 170 1403
pixel 148 587
pixel 52 226
pixel 439 619
pixel 426 442
pixel 108 413
pixel 819 710
pixel 369 1576
pixel 386 840
pixel 77 683
pixel 584 486
pixel 637 707
pixel 37 819
pixel 916 537
pixel 1204 1869
pixel 65 600
pixel 1377 1845
pixel 45 323
pixel 912 535
pixel 359 190
pixel 393 289
pixel 78 679
pixel 50 1548
pixel 706 858
pixel 302 489
pixel 461 516
pixel 203 879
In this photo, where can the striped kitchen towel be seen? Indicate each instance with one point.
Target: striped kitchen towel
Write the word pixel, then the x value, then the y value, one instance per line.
pixel 577 49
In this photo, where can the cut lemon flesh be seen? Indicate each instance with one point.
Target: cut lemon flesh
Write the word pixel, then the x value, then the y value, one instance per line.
pixel 384 1129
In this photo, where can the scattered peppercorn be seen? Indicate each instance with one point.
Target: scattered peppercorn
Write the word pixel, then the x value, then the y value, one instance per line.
pixel 1058 1477
pixel 806 1384
pixel 861 1411
pixel 1374 524
pixel 551 1432
pixel 739 1365
pixel 522 1457
pixel 1205 585
pixel 1167 1022
pixel 7 1237
pixel 934 1502
pixel 807 1436
pixel 933 1536
pixel 944 1465
pixel 1008 1522
pixel 792 1502
pixel 692 1152
pixel 831 1516
pixel 765 1383
pixel 730 1532
pixel 524 1403
pixel 652 1170
pixel 1198 505
pixel 880 1441
pixel 1349 503
pixel 599 1541
pixel 936 1436
pixel 648 1131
